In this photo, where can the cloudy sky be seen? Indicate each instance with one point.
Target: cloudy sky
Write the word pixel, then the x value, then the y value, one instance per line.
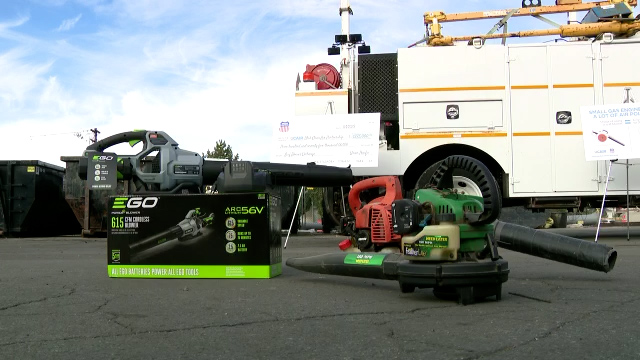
pixel 201 70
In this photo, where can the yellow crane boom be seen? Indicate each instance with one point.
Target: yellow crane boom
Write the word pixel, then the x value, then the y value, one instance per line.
pixel 572 30
pixel 621 26
pixel 560 7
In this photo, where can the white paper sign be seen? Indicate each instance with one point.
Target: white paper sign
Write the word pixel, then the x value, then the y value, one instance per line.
pixel 611 131
pixel 335 140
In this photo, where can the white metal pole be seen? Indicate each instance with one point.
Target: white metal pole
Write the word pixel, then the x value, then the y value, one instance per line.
pixel 345 61
pixel 603 198
pixel 628 99
pixel 295 213
pixel 344 209
pixel 628 218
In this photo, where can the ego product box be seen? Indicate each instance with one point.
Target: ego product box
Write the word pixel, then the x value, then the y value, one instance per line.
pixel 195 236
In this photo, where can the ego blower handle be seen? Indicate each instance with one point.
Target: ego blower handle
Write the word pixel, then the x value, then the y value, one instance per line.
pixel 169 170
pixel 148 139
pixel 116 139
pixel 442 179
pixel 100 146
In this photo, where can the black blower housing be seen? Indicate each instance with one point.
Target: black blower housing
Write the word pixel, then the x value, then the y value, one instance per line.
pixel 406 215
pixel 240 176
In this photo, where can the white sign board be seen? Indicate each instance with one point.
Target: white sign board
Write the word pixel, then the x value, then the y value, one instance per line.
pixel 340 140
pixel 611 132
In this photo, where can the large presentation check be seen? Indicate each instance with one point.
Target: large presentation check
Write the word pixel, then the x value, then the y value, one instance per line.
pixel 337 140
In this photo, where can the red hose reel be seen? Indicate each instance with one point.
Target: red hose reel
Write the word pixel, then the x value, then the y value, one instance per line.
pixel 326 76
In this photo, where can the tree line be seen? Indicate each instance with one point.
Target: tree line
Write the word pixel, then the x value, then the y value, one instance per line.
pixel 222 150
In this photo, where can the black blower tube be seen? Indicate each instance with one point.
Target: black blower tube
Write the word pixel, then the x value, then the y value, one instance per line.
pixel 311 175
pixel 306 175
pixel 556 247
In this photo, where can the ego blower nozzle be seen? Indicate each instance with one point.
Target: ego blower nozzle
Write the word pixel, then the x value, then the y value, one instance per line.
pixel 237 176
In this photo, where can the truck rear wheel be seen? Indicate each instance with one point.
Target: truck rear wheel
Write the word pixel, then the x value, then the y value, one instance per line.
pixel 462 181
pixel 469 183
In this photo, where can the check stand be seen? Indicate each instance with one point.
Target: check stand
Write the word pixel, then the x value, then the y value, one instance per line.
pixel 592 115
pixel 611 162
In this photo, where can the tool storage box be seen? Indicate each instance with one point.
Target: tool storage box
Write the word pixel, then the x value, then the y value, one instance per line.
pixel 236 235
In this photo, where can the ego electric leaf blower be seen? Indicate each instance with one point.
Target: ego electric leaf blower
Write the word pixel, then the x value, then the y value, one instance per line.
pixel 162 167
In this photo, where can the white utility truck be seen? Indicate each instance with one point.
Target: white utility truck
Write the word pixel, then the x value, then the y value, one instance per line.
pixel 515 107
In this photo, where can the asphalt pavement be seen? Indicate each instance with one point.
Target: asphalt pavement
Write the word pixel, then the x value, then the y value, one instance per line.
pixel 57 302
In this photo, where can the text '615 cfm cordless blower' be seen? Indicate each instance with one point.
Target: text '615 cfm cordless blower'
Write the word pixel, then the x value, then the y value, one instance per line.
pixel 441 239
pixel 186 232
pixel 162 167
